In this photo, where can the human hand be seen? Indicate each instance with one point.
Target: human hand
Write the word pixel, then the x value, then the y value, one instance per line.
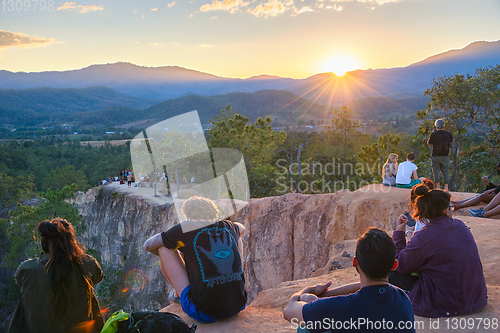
pixel 401 222
pixel 489 191
pixel 318 289
pixel 308 298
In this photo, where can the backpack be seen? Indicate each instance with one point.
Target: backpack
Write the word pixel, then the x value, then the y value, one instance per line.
pixel 146 322
pixel 441 144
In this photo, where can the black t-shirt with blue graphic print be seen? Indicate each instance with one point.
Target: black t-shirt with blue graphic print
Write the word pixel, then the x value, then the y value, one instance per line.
pixel 213 265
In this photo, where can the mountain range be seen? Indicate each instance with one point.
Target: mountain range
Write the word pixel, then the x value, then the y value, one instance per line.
pixel 108 90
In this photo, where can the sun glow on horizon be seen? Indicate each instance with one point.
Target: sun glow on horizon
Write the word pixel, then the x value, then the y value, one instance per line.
pixel 340 64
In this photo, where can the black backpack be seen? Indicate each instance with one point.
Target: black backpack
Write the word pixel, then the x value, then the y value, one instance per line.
pixel 441 144
pixel 154 322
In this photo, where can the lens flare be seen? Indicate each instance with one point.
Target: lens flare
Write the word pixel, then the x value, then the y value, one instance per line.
pixel 135 279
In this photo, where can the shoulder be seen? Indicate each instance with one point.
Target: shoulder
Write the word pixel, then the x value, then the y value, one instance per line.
pixel 175 229
pixel 329 303
pixel 29 264
pixel 87 259
pixel 92 268
pixel 238 228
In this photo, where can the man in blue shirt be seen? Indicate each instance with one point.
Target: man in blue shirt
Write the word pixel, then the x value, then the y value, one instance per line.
pixel 368 306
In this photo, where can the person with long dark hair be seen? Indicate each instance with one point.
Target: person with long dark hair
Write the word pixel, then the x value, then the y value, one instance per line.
pixel 57 288
pixel 440 265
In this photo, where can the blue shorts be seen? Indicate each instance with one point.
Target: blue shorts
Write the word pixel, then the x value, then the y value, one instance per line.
pixel 193 311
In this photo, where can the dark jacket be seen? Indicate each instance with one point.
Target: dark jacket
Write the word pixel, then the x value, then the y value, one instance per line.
pixel 34 312
pixel 445 256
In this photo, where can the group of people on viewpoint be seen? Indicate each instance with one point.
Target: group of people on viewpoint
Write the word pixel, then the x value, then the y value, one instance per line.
pixel 432 269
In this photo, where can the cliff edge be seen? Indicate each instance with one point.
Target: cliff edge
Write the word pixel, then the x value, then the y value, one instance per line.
pixel 291 241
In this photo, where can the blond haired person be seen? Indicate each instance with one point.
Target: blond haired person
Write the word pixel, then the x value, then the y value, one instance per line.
pixel 389 170
pixel 208 277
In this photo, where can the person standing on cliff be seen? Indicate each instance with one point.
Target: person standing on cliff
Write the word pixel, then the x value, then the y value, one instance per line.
pixel 208 275
pixel 367 306
pixel 440 140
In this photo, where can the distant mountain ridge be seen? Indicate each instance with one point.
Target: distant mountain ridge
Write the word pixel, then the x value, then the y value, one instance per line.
pixel 88 107
pixel 326 88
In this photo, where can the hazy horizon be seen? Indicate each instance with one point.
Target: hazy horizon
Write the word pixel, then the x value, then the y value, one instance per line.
pixel 241 39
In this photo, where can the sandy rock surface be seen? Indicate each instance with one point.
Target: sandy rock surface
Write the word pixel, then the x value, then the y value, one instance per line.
pixel 348 215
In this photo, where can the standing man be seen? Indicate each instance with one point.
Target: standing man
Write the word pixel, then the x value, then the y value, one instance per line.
pixel 440 140
pixel 208 276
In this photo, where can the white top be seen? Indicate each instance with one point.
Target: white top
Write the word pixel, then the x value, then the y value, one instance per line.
pixel 419 225
pixel 405 171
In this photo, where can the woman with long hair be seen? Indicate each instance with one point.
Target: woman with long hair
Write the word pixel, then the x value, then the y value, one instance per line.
pixel 440 265
pixel 389 170
pixel 57 288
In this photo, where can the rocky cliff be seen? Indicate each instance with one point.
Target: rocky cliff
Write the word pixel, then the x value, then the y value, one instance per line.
pixel 291 241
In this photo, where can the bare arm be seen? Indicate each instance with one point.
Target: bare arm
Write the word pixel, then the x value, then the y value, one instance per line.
pixel 342 290
pixel 153 243
pixel 415 175
pixel 295 305
pixel 240 242
pixel 241 227
pixel 395 167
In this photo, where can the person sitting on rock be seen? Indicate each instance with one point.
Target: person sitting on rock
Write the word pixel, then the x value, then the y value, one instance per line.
pixel 443 255
pixel 491 191
pixel 491 209
pixel 209 274
pixel 57 289
pixel 406 170
pixel 410 231
pixel 389 170
pixel 373 299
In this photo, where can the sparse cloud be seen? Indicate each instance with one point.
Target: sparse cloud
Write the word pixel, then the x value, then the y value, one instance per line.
pixel 206 45
pixel 272 8
pixel 170 5
pixel 137 43
pixel 134 11
pixel 155 44
pixel 18 39
pixel 154 9
pixel 305 9
pixel 213 18
pixel 378 2
pixel 72 6
pixel 336 8
pixel 142 16
pixel 228 5
pixel 266 8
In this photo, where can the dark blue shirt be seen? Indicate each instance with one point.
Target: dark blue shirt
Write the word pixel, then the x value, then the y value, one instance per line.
pixel 380 308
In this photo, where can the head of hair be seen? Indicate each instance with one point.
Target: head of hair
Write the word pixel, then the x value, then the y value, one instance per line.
pixel 386 169
pixel 199 208
pixel 65 256
pixel 425 181
pixel 439 123
pixel 429 204
pixel 410 157
pixel 376 252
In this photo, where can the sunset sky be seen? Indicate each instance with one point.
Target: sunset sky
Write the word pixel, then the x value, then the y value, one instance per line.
pixel 240 38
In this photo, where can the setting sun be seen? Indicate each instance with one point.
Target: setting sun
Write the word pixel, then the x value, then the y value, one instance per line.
pixel 340 65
